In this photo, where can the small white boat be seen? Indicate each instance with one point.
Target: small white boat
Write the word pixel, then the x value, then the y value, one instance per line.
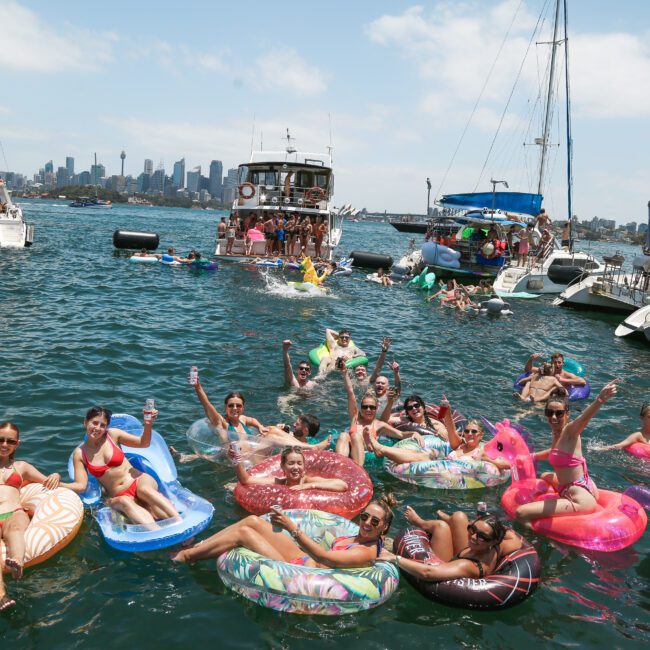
pixel 14 232
pixel 636 323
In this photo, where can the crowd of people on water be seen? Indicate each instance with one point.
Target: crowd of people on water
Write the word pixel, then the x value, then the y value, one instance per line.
pixel 466 547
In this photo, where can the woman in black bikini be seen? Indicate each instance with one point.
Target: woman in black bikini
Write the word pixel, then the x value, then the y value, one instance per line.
pixel 469 551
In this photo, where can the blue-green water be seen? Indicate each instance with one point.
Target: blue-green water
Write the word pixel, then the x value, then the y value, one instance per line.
pixel 80 325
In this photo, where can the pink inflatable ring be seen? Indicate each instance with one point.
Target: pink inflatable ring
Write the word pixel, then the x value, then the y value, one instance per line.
pixel 639 449
pixel 258 499
pixel 618 521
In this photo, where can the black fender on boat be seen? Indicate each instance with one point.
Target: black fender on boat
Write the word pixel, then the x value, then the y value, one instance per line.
pixel 134 239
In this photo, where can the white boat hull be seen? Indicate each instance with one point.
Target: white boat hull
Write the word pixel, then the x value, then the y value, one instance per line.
pixel 592 293
pixel 14 232
pixel 636 323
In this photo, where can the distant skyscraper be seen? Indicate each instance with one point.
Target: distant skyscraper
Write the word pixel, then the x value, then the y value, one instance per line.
pixel 178 178
pixel 193 180
pixel 230 186
pixel 97 173
pixel 158 181
pixel 84 178
pixel 148 166
pixel 69 165
pixel 62 177
pixel 216 178
pixel 49 167
pixel 122 157
pixel 143 182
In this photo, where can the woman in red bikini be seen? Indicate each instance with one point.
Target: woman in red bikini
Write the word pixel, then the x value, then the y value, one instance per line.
pixel 576 491
pixel 130 491
pixel 13 518
pixel 258 535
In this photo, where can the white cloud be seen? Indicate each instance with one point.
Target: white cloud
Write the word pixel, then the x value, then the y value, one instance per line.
pixel 29 45
pixel 4 110
pixel 451 47
pixel 284 69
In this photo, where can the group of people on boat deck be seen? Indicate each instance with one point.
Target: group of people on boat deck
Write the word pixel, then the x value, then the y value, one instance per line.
pixel 282 233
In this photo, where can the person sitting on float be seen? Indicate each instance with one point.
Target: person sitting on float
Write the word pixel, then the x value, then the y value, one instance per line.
pixel 292 463
pixel 565 377
pixel 13 518
pixel 454 526
pixel 298 381
pixel 446 291
pixel 364 422
pixel 470 552
pixel 576 490
pixel 143 252
pixel 538 386
pixel 339 347
pixel 133 493
pixel 642 436
pixel 415 412
pixel 465 446
pixel 259 536
pixel 383 278
pixel 360 372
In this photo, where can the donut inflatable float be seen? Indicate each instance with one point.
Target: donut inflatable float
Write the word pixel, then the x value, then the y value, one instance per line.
pixel 640 493
pixel 515 577
pixel 56 517
pixel 617 521
pixel 258 499
pixel 443 473
pixel 575 393
pixel 316 356
pixel 639 449
pixel 306 590
pixel 433 411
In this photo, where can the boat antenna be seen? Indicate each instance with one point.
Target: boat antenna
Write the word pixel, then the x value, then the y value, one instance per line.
pixel 331 146
pixel 569 139
pixel 252 135
pixel 3 156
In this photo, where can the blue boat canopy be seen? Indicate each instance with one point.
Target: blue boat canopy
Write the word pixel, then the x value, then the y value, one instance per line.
pixel 520 202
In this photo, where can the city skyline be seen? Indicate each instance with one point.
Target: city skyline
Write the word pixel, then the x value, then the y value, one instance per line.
pixel 395 94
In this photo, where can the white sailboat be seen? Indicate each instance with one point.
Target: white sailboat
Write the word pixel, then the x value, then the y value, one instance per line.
pixel 636 323
pixel 14 232
pixel 554 267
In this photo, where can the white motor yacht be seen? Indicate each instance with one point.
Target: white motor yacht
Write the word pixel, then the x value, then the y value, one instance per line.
pixel 611 290
pixel 14 232
pixel 546 273
pixel 636 323
pixel 290 183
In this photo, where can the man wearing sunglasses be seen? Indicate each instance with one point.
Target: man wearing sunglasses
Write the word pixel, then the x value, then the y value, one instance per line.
pixel 340 348
pixel 300 380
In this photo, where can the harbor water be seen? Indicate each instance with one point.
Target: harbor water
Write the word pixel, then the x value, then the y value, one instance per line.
pixel 80 325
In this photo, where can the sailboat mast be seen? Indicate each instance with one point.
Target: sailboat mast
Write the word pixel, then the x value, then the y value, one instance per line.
pixel 569 140
pixel 549 99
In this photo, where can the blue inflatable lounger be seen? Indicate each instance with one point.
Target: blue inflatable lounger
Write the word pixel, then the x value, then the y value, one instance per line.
pixel 196 512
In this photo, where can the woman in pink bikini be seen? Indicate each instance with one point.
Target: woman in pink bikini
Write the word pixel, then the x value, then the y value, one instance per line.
pixel 257 535
pixel 130 491
pixel 576 491
pixel 13 518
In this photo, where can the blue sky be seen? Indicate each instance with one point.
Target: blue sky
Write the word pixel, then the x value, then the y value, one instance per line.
pixel 164 80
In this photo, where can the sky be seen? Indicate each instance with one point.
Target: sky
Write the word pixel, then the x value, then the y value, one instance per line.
pixel 402 91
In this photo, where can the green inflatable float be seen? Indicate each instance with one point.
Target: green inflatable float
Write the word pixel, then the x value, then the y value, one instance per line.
pixel 426 280
pixel 316 355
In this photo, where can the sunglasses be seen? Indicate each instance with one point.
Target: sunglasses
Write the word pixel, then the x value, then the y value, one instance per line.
pixel 304 368
pixel 364 516
pixel 471 431
pixel 10 441
pixel 472 530
pixel 410 407
pixel 344 338
pixel 549 413
pixel 235 406
pixel 369 407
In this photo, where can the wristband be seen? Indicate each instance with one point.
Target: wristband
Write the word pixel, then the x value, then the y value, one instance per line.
pixel 295 533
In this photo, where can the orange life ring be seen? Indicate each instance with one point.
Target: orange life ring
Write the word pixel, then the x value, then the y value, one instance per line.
pixel 315 194
pixel 243 187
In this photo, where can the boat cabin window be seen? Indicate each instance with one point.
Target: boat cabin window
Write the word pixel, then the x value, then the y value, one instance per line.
pixel 243 175
pixel 320 180
pixel 263 177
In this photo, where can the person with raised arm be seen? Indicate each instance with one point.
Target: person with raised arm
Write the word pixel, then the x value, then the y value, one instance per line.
pixel 300 380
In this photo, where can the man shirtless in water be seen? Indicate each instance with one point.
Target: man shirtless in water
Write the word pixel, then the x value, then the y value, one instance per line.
pixel 340 348
pixel 539 386
pixel 557 360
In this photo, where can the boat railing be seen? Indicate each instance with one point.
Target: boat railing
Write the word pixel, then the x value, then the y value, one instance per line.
pixel 295 196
